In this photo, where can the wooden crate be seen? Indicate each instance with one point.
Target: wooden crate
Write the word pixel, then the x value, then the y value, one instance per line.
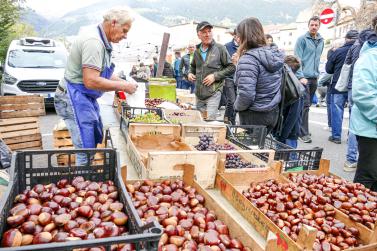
pixel 21 106
pixel 187 98
pixel 21 133
pixel 235 229
pixel 161 164
pixel 62 140
pixel 248 156
pixel 191 132
pixel 182 116
pixel 370 235
pixel 231 186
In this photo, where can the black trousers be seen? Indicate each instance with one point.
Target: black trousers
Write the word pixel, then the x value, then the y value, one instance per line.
pixel 230 95
pixel 366 172
pixel 268 119
pixel 310 87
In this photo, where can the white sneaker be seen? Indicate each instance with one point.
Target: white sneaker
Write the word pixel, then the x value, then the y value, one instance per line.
pixel 349 167
pixel 326 128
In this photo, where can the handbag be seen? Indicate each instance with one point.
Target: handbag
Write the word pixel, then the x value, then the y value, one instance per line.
pixel 342 83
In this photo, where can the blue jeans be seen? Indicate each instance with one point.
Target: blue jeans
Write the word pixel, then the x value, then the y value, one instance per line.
pixel 64 109
pixel 179 82
pixel 291 142
pixel 328 106
pixel 188 85
pixel 337 111
pixel 352 141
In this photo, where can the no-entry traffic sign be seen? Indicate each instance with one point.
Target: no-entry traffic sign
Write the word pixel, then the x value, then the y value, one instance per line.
pixel 327 16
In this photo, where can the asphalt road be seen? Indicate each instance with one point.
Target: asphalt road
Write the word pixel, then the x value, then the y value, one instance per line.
pixel 317 118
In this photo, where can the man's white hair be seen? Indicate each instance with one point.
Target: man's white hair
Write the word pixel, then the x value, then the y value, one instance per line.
pixel 122 16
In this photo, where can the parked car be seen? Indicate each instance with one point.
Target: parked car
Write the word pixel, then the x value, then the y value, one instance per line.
pixel 33 66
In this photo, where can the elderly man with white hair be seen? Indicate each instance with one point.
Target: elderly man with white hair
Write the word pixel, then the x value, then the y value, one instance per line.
pixel 88 74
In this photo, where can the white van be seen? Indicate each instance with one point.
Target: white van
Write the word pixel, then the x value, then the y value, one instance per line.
pixel 33 66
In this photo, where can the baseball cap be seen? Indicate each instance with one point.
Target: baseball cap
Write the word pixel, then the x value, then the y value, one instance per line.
pixel 202 25
pixel 352 34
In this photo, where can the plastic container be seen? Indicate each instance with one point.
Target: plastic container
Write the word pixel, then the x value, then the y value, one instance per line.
pixel 129 113
pixel 253 137
pixel 33 167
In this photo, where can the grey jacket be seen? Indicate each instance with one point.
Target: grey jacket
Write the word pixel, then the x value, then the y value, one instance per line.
pixel 218 62
pixel 184 67
pixel 258 79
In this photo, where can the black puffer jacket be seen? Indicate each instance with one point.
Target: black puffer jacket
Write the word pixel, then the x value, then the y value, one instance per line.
pixel 354 51
pixel 258 78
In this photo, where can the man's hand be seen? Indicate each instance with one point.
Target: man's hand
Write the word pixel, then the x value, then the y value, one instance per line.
pixel 235 58
pixel 129 87
pixel 303 81
pixel 209 80
pixel 191 77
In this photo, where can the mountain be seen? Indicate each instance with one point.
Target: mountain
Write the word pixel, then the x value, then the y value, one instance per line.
pixel 39 22
pixel 170 12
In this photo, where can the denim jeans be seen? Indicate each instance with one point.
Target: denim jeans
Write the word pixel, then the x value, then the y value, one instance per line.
pixel 179 82
pixel 209 105
pixel 328 106
pixel 337 111
pixel 64 109
pixel 291 142
pixel 352 151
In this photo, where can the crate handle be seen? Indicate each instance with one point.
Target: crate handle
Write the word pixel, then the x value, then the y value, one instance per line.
pixel 271 244
pixel 306 237
pixel 188 172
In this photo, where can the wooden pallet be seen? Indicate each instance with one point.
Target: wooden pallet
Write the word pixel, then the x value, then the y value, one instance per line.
pixel 62 140
pixel 21 106
pixel 21 133
pixel 231 186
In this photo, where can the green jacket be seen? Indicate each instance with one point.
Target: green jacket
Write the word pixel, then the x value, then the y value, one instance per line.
pixel 217 62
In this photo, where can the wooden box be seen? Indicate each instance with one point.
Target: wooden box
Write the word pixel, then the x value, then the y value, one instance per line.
pixel 183 116
pixel 62 140
pixel 231 186
pixel 160 164
pixel 21 133
pixel 21 106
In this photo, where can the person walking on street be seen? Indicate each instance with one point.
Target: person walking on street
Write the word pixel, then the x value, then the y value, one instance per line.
pixel 88 74
pixel 155 66
pixel 177 73
pixel 353 54
pixel 168 70
pixel 334 66
pixel 229 87
pixel 258 76
pixel 364 111
pixel 184 68
pixel 308 49
pixel 209 68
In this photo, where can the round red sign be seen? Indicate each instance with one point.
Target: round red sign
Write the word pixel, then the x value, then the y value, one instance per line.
pixel 327 16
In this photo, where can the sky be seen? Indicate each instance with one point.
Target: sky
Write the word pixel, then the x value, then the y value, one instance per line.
pixel 57 8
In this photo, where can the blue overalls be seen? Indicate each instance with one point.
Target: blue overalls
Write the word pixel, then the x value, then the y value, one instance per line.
pixel 86 109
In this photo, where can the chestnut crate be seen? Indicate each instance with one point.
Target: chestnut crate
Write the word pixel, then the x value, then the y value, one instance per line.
pixel 235 228
pixel 369 234
pixel 162 164
pixel 40 167
pixel 231 186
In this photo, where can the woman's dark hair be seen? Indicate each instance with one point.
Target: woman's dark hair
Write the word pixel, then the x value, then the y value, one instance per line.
pixel 292 62
pixel 374 24
pixel 268 36
pixel 251 35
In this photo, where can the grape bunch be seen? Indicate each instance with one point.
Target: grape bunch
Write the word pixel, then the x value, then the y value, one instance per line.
pixel 153 102
pixel 207 143
pixel 233 160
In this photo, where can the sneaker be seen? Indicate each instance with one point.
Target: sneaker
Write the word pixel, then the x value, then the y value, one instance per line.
pixel 336 141
pixel 349 167
pixel 327 128
pixel 306 139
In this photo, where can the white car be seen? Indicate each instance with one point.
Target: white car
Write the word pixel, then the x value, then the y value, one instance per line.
pixel 33 66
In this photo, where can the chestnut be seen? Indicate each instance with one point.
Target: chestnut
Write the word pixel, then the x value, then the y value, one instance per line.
pixel 119 218
pixel 12 238
pixel 27 239
pixel 43 237
pixel 85 211
pixel 78 232
pixel 28 227
pixel 15 220
pixel 44 218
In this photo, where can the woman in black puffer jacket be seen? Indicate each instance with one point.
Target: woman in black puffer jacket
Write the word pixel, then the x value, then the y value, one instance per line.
pixel 258 76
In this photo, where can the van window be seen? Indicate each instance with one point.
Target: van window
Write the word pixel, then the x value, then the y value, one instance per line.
pixel 37 59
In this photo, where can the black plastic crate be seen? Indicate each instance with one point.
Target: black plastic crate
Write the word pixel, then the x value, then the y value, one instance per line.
pixel 293 159
pixel 247 137
pixel 33 167
pixel 129 113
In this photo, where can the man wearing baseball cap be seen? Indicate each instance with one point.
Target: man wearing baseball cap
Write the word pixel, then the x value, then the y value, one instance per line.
pixel 209 68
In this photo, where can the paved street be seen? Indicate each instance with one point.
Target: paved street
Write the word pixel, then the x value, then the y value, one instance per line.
pixel 318 120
